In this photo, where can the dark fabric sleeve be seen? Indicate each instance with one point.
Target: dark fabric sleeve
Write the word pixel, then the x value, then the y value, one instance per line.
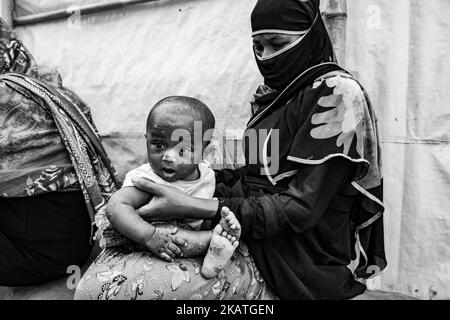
pixel 229 177
pixel 295 210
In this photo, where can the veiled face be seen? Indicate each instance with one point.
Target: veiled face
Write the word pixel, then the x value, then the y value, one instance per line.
pixel 267 44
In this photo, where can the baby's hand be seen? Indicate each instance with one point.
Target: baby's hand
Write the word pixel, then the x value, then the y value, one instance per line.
pixel 165 243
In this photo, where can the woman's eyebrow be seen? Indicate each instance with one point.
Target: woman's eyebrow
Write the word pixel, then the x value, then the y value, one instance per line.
pixel 271 37
pixel 280 40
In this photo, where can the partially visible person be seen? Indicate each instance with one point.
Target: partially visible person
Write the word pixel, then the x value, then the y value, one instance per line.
pixel 54 173
pixel 175 159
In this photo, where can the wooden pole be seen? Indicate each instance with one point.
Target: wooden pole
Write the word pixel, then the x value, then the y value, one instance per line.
pixel 6 11
pixel 335 17
pixel 82 10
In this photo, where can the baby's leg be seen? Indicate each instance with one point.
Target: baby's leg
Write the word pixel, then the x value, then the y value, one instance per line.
pixel 224 242
pixel 197 242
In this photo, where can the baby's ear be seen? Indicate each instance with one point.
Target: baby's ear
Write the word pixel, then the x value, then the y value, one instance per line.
pixel 209 148
pixel 208 135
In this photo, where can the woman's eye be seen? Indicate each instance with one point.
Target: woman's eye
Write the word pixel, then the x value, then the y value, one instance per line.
pixel 258 48
pixel 278 46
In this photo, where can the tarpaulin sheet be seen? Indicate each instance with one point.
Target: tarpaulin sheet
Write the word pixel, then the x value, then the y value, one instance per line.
pixel 122 62
pixel 29 7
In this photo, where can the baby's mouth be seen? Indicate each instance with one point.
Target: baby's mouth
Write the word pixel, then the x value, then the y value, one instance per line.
pixel 168 171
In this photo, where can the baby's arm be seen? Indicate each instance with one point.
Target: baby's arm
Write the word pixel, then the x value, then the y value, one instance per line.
pixel 121 212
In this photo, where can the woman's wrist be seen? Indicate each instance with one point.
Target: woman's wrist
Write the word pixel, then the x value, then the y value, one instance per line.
pixel 203 208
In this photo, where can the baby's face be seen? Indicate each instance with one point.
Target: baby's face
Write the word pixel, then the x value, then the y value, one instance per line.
pixel 170 147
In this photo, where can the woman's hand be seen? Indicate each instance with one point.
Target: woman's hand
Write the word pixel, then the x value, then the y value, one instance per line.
pixel 167 202
pixel 170 203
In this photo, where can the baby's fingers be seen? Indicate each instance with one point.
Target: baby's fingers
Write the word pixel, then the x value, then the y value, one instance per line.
pixel 175 250
pixel 178 241
pixel 166 257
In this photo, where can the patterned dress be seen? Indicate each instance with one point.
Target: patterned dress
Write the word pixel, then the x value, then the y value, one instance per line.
pixel 123 274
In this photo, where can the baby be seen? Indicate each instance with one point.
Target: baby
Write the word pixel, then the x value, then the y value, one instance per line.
pixel 176 159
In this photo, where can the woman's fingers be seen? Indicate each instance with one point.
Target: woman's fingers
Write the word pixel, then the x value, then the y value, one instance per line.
pixel 147 185
pixel 145 211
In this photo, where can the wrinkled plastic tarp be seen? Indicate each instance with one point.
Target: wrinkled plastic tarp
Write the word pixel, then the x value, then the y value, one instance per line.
pixel 122 62
pixel 26 8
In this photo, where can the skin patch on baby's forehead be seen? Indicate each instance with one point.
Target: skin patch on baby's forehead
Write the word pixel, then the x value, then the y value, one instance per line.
pixel 176 112
pixel 172 117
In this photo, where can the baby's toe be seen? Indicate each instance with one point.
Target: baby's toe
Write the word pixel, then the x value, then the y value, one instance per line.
pixel 225 212
pixel 233 219
pixel 218 229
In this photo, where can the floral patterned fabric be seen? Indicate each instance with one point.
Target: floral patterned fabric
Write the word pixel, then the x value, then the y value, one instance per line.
pixel 48 142
pixel 93 169
pixel 120 274
pixel 26 126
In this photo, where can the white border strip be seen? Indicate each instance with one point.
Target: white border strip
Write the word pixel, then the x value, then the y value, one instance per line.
pixel 265 161
pixel 279 52
pixel 292 45
pixel 322 161
pixel 285 175
pixel 278 31
pixel 367 194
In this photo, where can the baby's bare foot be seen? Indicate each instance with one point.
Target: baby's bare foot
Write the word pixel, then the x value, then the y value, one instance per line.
pixel 223 244
pixel 230 224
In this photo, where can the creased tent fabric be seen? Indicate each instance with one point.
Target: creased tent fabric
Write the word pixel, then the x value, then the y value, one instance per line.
pixel 24 8
pixel 159 62
pixel 407 78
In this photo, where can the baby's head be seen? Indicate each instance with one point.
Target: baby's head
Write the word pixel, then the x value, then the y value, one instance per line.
pixel 173 150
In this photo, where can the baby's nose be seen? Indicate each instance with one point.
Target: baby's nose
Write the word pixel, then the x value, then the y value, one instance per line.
pixel 170 155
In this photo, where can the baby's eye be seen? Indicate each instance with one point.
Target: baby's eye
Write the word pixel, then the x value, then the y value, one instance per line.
pixel 158 146
pixel 185 150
